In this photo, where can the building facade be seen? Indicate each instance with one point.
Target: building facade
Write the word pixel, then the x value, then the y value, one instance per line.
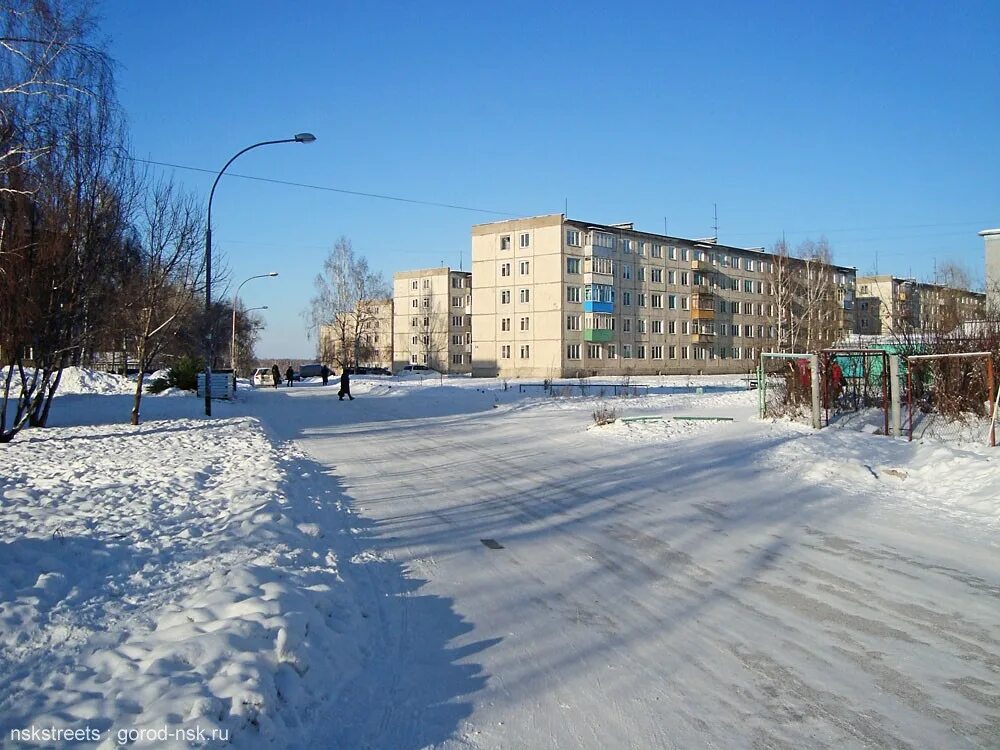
pixel 991 238
pixel 554 297
pixel 432 320
pixel 889 305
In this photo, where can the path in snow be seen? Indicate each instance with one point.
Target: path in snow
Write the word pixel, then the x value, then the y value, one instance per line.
pixel 739 584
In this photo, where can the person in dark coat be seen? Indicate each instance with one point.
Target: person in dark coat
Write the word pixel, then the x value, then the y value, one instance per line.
pixel 275 375
pixel 325 373
pixel 289 375
pixel 345 386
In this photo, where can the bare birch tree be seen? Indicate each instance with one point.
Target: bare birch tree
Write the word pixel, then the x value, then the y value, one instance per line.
pixel 346 297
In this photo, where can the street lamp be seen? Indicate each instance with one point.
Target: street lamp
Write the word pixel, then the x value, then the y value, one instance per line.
pixel 209 349
pixel 236 299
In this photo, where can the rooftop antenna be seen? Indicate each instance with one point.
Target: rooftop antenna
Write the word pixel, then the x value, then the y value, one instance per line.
pixel 664 226
pixel 565 206
pixel 461 258
pixel 715 227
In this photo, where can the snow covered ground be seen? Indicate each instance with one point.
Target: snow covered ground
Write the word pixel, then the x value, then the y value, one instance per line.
pixel 300 571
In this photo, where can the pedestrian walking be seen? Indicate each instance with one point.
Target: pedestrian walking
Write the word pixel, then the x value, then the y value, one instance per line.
pixel 325 373
pixel 289 375
pixel 345 386
pixel 275 375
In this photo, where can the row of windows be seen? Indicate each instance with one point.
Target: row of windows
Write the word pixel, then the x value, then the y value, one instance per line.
pixel 523 240
pixel 457 282
pixel 456 320
pixel 524 295
pixel 525 351
pixel 524 268
pixel 640 351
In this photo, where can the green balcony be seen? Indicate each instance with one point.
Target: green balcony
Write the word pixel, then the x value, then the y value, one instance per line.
pixel 597 335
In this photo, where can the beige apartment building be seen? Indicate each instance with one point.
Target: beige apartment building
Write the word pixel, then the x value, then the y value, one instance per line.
pixel 362 339
pixel 889 305
pixel 554 297
pixel 432 321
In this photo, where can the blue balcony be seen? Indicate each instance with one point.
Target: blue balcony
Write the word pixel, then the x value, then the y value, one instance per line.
pixel 599 307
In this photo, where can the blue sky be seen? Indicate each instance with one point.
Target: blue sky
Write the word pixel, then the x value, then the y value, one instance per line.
pixel 874 124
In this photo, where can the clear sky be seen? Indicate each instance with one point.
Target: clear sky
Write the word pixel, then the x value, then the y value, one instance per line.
pixel 874 124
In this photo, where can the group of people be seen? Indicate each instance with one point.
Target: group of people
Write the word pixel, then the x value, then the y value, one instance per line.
pixel 345 379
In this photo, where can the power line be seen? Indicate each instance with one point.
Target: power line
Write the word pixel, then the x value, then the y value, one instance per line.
pixel 328 189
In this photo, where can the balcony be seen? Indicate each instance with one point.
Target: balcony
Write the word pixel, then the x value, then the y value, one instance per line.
pixel 596 277
pixel 597 335
pixel 702 265
pixel 592 251
pixel 702 337
pixel 598 307
pixel 703 313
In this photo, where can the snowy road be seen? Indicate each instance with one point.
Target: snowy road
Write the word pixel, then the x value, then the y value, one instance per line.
pixel 712 586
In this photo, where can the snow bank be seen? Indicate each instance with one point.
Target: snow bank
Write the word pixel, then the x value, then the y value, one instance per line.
pixel 175 575
pixel 76 380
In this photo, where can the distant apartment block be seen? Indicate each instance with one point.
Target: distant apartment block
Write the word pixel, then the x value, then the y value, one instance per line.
pixel 554 297
pixel 363 338
pixel 432 322
pixel 890 305
pixel 991 237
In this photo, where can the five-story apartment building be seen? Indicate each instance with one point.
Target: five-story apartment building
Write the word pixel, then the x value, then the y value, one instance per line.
pixel 555 297
pixel 432 319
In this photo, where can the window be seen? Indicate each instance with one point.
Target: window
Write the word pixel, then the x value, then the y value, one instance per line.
pixel 525 239
pixel 456 301
pixel 672 252
pixel 572 265
pixel 525 351
pixel 684 329
pixel 505 269
pixel 525 295
pixel 426 302
pixel 684 302
pixel 671 277
pixel 573 294
pixel 640 352
pixel 594 351
pixel 657 326
pixel 656 301
pixel 413 358
pixel 672 326
pixel 656 275
pixel 413 284
pixel 626 351
pixel 626 270
pixel 414 322
pixel 656 352
pixel 427 283
pixel 505 242
pixel 640 248
pixel 505 351
pixel 642 273
pixel 627 325
pixel 414 302
pixel 505 297
pixel 684 278
pixel 524 324
pixel 572 322
pixel 642 300
pixel 627 299
pixel 504 324
pixel 747 286
pixel 573 237
pixel 427 322
pixel 640 325
pixel 685 255
pixel 573 351
pixel 456 282
pixel 684 352
pixel 612 352
pixel 524 267
pixel 456 320
pixel 671 301
pixel 626 246
pixel 456 339
pixel 672 352
pixel 656 252
pixel 413 340
pixel 456 359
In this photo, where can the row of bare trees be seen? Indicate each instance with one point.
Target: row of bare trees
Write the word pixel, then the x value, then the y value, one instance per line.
pixel 95 255
pixel 809 302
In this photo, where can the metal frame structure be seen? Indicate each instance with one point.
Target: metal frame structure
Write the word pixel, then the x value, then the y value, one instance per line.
pixel 993 397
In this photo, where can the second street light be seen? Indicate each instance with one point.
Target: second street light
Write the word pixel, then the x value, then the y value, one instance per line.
pixel 236 301
pixel 209 343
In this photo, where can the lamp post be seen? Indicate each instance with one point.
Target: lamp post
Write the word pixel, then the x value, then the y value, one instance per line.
pixel 209 349
pixel 236 300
